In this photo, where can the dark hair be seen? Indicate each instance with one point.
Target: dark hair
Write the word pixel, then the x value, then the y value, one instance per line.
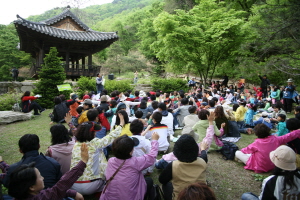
pixel 125 115
pixel 192 109
pixel 167 95
pixel 113 94
pixel 136 127
pixel 162 106
pixel 211 103
pixel 20 181
pixel 59 134
pixel 215 99
pixel 126 94
pixel 157 94
pixel 219 112
pixel 181 94
pixel 197 191
pixel 157 116
pixel 145 99
pixel 57 100
pixel 148 116
pixel 153 97
pixel 154 105
pixel 277 105
pixel 29 142
pixel 83 133
pixel 89 105
pixel 129 91
pixel 204 99
pixel 79 109
pixel 27 93
pixel 235 106
pixel 113 103
pixel 297 109
pixel 262 130
pixel 122 146
pixel 138 114
pixel 186 149
pixel 92 114
pixel 254 107
pixel 143 104
pixel 293 124
pixel 288 177
pixel 282 116
pixel 62 97
pixel 242 102
pixel 203 114
pixel 184 101
pixel 136 93
pixel 104 92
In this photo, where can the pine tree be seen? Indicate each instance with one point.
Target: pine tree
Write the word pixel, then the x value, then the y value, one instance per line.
pixel 51 75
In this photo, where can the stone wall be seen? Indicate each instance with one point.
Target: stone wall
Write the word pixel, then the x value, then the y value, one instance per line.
pixel 20 87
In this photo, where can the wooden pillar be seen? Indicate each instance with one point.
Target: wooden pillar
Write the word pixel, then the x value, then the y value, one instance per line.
pixel 90 62
pixel 83 63
pixel 41 57
pixel 67 60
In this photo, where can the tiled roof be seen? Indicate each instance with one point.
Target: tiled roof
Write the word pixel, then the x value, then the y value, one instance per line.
pixel 45 27
pixel 66 13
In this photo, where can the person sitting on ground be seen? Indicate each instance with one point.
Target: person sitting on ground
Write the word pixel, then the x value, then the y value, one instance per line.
pixel 199 191
pixel 277 109
pixel 142 145
pixel 93 178
pixel 184 111
pixel 167 119
pixel 126 126
pixel 124 168
pixel 284 183
pixel 294 124
pixel 61 146
pixel 75 105
pixel 255 155
pixel 143 107
pixel 104 105
pixel 281 126
pixel 189 121
pixel 240 114
pixel 139 114
pixel 221 118
pixel 28 104
pixel 29 146
pixel 87 104
pixel 59 111
pixel 201 126
pixel 297 112
pixel 189 168
pixel 160 129
pixel 27 182
pixel 264 119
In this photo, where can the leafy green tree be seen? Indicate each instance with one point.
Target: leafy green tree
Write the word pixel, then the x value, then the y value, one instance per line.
pixel 199 40
pixel 10 55
pixel 115 58
pixel 51 75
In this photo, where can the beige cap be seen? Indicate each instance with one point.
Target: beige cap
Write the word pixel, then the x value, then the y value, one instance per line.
pixel 284 157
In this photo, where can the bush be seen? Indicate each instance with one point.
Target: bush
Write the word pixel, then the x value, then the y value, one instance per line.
pixel 169 85
pixel 7 100
pixel 85 84
pixel 122 85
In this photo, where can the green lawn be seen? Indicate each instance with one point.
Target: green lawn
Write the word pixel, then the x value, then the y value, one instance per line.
pixel 227 178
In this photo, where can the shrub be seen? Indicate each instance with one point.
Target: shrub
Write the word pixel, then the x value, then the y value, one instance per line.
pixel 169 85
pixel 85 84
pixel 51 75
pixel 122 85
pixel 7 100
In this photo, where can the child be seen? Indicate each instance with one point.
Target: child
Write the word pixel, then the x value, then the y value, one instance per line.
pixel 297 112
pixel 142 145
pixel 240 115
pixel 113 107
pixel 139 114
pixel 281 126
pixel 264 119
pixel 201 126
pixel 258 93
pixel 159 128
pixel 249 114
pixel 277 109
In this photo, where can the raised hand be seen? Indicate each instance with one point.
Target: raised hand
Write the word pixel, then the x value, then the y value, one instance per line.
pixel 155 136
pixel 68 118
pixel 84 152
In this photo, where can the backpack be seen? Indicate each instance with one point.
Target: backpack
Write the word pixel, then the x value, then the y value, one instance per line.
pixel 228 150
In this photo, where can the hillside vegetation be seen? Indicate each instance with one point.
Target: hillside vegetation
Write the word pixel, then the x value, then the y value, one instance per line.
pixel 201 37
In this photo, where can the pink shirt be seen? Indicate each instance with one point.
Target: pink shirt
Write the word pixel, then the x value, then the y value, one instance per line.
pixel 260 149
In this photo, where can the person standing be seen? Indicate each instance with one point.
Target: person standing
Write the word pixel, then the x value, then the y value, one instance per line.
pixel 15 73
pixel 99 83
pixel 192 82
pixel 288 96
pixel 135 77
pixel 225 80
pixel 264 85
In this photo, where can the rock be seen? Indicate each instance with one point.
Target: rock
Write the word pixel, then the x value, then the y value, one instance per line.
pixel 7 117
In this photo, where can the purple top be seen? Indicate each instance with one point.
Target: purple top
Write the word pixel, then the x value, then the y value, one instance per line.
pixel 129 182
pixel 4 167
pixel 61 188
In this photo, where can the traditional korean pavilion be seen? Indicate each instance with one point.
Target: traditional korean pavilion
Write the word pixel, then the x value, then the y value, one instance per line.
pixel 74 41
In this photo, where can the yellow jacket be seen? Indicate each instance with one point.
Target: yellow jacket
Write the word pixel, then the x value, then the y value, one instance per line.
pixel 83 117
pixel 125 130
pixel 240 113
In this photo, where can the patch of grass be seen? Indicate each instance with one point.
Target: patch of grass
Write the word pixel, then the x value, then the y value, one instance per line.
pixel 228 179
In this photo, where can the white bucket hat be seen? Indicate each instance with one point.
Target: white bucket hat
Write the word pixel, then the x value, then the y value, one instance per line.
pixel 284 157
pixel 290 80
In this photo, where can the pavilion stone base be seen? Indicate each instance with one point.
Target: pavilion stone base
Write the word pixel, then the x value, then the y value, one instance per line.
pixel 7 117
pixel 19 87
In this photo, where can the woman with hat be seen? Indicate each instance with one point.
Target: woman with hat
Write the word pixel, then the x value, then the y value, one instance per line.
pixel 288 96
pixel 285 181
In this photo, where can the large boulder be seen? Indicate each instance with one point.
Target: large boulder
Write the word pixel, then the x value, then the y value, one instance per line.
pixel 7 117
